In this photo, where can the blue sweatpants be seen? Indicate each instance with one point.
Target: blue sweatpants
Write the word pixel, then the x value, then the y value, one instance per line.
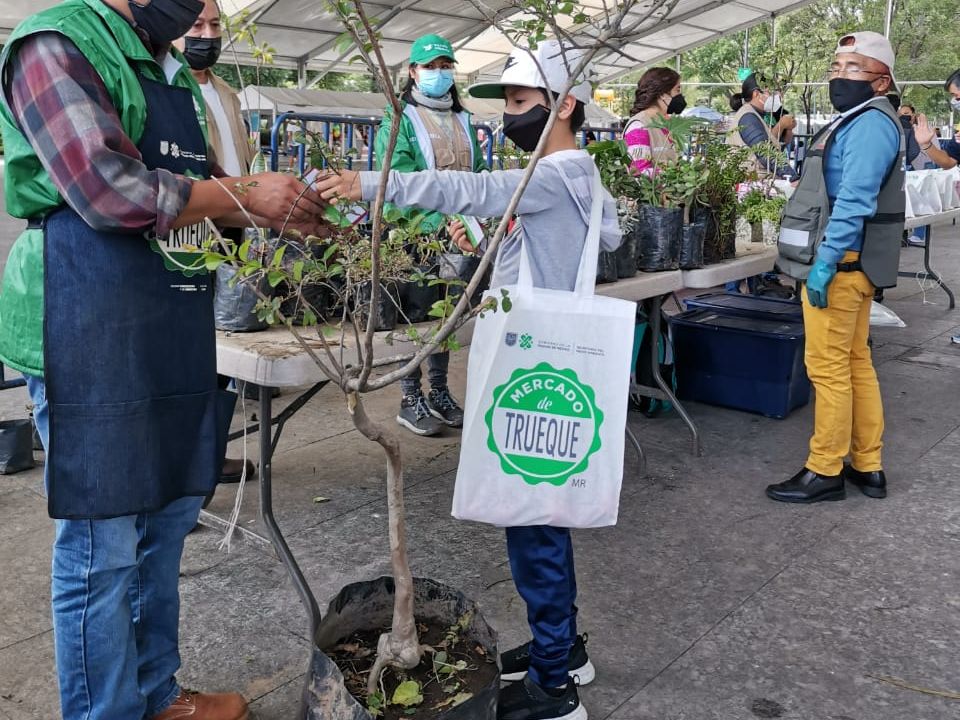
pixel 541 558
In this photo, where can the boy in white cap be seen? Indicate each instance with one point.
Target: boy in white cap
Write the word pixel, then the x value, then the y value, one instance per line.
pixel 841 233
pixel 553 215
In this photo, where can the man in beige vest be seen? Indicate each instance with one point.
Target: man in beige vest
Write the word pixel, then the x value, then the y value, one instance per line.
pixel 229 141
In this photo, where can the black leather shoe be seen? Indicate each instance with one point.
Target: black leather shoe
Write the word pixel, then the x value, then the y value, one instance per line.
pixel 872 484
pixel 233 470
pixel 808 487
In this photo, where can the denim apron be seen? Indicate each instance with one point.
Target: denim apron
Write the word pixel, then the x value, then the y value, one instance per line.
pixel 136 417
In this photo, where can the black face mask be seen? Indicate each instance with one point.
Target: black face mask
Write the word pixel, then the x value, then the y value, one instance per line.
pixel 526 128
pixel 166 20
pixel 677 105
pixel 846 94
pixel 906 121
pixel 201 53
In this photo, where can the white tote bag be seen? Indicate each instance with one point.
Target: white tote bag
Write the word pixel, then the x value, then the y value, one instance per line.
pixel 546 405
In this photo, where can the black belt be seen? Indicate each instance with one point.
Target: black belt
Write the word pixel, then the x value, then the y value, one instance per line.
pixel 35 223
pixel 855 266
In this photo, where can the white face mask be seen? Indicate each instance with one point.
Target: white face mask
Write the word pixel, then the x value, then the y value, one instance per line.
pixel 772 104
pixel 955 103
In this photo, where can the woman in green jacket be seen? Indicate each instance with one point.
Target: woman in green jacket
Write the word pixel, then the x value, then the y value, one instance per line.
pixel 435 134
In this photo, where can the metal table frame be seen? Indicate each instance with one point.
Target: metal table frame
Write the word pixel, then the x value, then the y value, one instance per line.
pixel 928 221
pixel 9 384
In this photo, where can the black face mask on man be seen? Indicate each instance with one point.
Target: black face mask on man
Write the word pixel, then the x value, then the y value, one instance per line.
pixel 846 94
pixel 526 128
pixel 202 53
pixel 677 104
pixel 165 20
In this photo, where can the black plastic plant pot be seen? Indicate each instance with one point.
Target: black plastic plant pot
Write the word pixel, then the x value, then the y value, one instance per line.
pixel 691 246
pixel 235 303
pixel 385 314
pixel 661 230
pixel 456 266
pixel 416 298
pixel 607 267
pixel 16 446
pixel 367 606
pixel 626 254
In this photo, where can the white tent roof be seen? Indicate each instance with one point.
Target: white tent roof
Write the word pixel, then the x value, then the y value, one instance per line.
pixel 304 32
pixel 370 105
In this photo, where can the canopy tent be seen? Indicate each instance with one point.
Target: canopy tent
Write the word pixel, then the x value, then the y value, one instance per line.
pixel 274 100
pixel 304 32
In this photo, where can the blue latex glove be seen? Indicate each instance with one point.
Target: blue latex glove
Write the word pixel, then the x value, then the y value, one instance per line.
pixel 821 275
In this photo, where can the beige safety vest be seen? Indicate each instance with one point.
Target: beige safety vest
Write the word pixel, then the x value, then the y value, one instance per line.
pixel 733 138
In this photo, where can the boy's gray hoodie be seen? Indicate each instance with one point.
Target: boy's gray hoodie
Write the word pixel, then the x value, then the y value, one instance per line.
pixel 553 213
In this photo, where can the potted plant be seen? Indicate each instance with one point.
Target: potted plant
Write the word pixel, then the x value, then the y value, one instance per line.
pixel 715 202
pixel 762 208
pixel 614 165
pixel 388 644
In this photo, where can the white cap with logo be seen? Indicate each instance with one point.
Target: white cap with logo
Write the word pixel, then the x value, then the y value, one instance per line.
pixel 869 44
pixel 521 71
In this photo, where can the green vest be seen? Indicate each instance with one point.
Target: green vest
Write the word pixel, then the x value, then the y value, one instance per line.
pixel 109 42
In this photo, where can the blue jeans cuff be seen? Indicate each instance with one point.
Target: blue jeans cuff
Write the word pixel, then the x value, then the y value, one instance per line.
pixel 167 702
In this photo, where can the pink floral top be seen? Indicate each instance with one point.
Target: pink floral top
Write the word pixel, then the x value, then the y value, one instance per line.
pixel 647 147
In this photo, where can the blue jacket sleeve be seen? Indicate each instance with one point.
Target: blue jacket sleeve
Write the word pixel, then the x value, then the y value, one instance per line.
pixel 753 132
pixel 867 148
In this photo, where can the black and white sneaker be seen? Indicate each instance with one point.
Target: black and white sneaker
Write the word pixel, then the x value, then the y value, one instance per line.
pixel 515 663
pixel 528 701
pixel 415 416
pixel 444 407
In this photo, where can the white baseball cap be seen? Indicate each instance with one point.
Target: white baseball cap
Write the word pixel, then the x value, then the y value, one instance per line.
pixel 521 70
pixel 869 44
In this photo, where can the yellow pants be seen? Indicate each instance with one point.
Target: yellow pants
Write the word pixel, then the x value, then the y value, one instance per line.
pixel 848 411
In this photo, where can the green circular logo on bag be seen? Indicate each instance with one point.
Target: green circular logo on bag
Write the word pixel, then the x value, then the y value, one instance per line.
pixel 544 424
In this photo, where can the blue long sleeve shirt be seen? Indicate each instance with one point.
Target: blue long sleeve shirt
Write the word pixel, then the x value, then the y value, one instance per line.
pixel 857 162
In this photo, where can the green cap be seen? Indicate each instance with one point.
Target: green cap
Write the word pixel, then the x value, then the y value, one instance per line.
pixel 428 48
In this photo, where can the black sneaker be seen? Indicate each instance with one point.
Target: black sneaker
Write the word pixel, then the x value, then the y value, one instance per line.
pixel 415 416
pixel 528 701
pixel 514 663
pixel 443 407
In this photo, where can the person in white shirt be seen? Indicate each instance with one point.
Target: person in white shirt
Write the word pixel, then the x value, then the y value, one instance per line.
pixel 227 136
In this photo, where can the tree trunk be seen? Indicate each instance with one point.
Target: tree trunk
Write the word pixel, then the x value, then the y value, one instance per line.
pixel 401 646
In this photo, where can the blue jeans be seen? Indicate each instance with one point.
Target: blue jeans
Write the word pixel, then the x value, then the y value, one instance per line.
pixel 541 560
pixel 437 369
pixel 116 605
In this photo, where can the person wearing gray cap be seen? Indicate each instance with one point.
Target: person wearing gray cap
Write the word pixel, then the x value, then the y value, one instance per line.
pixel 841 233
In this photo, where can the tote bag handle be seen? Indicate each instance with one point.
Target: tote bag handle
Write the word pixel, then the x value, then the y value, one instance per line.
pixel 587 272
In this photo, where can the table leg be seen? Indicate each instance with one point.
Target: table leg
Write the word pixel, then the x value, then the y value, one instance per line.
pixel 636 444
pixel 931 273
pixel 655 319
pixel 273 529
pixel 9 384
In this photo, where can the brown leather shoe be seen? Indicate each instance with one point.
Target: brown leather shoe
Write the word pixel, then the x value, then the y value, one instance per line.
pixel 233 469
pixel 200 706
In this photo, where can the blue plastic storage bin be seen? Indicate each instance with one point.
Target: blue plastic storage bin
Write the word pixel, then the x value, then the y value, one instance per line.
pixel 741 362
pixel 752 305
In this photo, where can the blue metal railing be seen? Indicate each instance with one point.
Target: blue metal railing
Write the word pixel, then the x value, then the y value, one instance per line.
pixel 348 127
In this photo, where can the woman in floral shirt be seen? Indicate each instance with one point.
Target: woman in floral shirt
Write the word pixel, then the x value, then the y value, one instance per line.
pixel 658 95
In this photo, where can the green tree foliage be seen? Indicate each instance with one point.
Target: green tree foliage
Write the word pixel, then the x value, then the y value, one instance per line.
pixel 804 45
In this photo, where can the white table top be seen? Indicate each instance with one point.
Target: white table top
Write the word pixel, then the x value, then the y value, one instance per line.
pixel 744 265
pixel 643 285
pixel 943 218
pixel 274 358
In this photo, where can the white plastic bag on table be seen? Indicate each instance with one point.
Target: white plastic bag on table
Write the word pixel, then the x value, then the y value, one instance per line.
pixel 946 181
pixel 923 193
pixel 546 404
pixel 882 316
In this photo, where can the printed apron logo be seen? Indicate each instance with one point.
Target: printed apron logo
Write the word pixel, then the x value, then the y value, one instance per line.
pixel 544 424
